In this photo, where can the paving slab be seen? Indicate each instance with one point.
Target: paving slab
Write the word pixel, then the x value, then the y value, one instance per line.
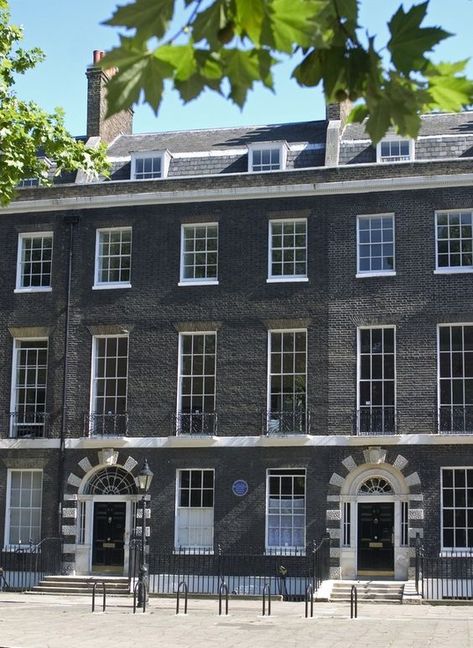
pixel 61 622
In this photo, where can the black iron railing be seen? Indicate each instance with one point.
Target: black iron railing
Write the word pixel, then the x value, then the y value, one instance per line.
pixel 455 419
pixel 23 566
pixel 287 572
pixel 203 423
pixel 28 425
pixel 374 420
pixel 286 422
pixel 448 575
pixel 106 425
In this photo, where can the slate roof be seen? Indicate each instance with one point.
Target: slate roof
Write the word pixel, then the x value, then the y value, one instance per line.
pixel 190 141
pixel 435 124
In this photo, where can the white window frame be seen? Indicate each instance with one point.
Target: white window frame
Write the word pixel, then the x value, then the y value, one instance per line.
pixel 286 278
pixel 439 402
pixel 183 281
pixel 450 269
pixel 463 550
pixel 272 146
pixel 93 376
pixel 28 183
pixel 289 472
pixel 392 158
pixel 7 543
pixel 206 548
pixel 107 285
pixel 358 373
pixel 180 374
pixel 269 373
pixel 19 262
pixel 165 157
pixel 360 274
pixel 13 400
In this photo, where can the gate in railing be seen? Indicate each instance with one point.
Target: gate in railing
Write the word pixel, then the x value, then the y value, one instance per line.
pixel 288 573
pixel 23 566
pixel 445 576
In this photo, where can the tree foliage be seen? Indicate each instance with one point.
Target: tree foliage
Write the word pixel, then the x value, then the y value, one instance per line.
pixel 26 130
pixel 236 43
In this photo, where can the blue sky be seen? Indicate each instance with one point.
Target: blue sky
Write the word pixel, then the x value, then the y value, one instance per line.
pixel 68 32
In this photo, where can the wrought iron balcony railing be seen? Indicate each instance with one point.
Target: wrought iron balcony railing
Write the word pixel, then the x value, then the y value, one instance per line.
pixel 286 422
pixel 455 419
pixel 203 423
pixel 376 420
pixel 106 425
pixel 28 425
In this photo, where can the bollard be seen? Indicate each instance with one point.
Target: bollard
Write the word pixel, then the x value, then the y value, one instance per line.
pixel 182 584
pixel 267 590
pixel 309 592
pixel 222 589
pixel 104 601
pixel 353 602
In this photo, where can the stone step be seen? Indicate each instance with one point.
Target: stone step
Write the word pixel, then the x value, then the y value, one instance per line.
pixel 368 591
pixel 75 585
pixel 75 591
pixel 88 579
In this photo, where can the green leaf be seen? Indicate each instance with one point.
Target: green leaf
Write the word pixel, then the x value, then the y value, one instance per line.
pixel 290 23
pixel 309 73
pixel 147 17
pixel 358 114
pixel 409 41
pixel 180 57
pixel 209 22
pixel 249 17
pixel 450 93
pixel 379 120
pixel 146 73
pixel 243 68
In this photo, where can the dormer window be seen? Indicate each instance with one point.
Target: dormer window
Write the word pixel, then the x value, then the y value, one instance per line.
pixel 395 150
pixel 150 165
pixel 267 156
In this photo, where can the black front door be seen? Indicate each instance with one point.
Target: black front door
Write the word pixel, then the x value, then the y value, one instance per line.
pixel 109 532
pixel 376 537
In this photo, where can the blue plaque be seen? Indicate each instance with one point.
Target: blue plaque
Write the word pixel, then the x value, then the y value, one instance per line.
pixel 240 487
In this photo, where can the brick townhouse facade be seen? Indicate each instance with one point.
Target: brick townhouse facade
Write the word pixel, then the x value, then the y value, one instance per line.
pixel 278 318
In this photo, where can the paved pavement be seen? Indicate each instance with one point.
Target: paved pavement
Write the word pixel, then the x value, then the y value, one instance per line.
pixel 28 621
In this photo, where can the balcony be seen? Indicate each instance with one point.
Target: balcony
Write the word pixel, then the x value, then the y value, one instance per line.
pixel 28 425
pixel 376 420
pixel 455 419
pixel 106 425
pixel 195 423
pixel 286 422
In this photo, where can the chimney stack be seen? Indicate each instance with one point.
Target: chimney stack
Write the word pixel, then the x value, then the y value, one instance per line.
pixel 97 125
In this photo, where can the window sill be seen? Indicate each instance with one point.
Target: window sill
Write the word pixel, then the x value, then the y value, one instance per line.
pixel 363 275
pixel 459 270
pixel 212 282
pixel 38 289
pixel 111 286
pixel 287 280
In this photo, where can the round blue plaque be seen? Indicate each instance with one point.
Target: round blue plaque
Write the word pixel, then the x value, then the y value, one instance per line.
pixel 240 487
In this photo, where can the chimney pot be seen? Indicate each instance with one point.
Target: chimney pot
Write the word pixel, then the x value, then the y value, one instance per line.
pixel 98 56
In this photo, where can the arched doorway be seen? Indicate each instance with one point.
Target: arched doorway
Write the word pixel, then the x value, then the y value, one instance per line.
pixel 374 534
pixel 106 513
